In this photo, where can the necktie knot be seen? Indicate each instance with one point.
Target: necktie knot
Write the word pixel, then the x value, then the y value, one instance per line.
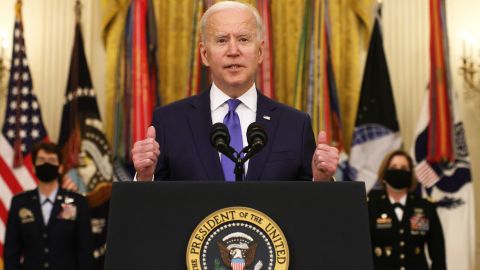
pixel 47 200
pixel 233 104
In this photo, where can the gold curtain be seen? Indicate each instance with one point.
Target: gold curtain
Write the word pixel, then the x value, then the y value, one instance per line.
pixel 351 26
pixel 351 20
pixel 175 28
pixel 113 27
pixel 287 19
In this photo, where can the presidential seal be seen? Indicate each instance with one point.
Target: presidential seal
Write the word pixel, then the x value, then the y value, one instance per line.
pixel 237 238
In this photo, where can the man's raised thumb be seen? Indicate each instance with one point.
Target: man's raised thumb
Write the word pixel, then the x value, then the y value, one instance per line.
pixel 322 137
pixel 151 132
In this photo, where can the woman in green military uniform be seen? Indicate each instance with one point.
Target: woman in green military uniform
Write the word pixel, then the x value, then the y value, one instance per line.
pixel 402 224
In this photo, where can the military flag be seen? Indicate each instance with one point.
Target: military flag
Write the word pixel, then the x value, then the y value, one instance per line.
pixel 265 80
pixel 376 126
pixel 137 95
pixel 315 84
pixel 87 154
pixel 441 152
pixel 195 63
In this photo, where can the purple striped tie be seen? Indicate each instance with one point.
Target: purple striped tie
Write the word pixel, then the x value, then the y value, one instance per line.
pixel 232 121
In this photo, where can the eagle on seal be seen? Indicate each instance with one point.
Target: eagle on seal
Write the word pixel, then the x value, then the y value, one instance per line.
pixel 237 256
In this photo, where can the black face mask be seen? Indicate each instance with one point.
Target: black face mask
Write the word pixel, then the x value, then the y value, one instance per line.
pixel 398 179
pixel 46 172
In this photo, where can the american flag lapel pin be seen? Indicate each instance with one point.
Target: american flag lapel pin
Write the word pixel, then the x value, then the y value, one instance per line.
pixel 266 117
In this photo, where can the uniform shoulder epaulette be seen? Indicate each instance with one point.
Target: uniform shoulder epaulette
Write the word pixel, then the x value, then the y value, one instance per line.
pixel 24 193
pixel 375 194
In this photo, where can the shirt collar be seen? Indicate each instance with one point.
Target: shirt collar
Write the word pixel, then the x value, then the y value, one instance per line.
pixel 402 200
pixel 51 197
pixel 218 98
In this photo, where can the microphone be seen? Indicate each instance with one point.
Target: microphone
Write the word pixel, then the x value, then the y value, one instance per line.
pixel 257 139
pixel 220 139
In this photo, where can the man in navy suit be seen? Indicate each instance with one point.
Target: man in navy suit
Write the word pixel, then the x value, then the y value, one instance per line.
pixel 48 227
pixel 178 146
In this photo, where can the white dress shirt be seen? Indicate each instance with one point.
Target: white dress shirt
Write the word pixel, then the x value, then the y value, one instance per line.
pixel 47 206
pixel 398 211
pixel 246 110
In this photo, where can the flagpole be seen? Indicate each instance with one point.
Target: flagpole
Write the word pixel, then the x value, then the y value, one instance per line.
pixel 17 143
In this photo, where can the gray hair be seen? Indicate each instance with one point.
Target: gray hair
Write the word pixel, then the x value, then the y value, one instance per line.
pixel 224 5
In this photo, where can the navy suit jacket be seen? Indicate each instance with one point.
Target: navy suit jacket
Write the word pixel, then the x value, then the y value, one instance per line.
pixel 183 132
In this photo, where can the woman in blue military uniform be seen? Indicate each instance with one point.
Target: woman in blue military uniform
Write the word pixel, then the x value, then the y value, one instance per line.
pixel 402 223
pixel 48 227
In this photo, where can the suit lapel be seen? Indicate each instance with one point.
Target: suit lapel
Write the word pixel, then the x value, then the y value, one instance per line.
pixel 200 120
pixel 266 117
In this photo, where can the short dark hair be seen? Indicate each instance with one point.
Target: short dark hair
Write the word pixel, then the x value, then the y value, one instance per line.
pixel 48 147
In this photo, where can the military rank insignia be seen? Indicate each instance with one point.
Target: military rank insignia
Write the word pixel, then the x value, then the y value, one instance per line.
pixel 26 216
pixel 237 238
pixel 419 223
pixel 384 222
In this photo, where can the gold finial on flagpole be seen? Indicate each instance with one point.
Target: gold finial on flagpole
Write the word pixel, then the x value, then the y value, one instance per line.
pixel 18 9
pixel 379 8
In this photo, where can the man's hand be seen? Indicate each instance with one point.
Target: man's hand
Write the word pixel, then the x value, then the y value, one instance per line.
pixel 145 156
pixel 324 160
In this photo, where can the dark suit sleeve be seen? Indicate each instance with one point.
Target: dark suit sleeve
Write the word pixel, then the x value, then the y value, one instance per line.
pixel 435 241
pixel 162 171
pixel 308 148
pixel 13 241
pixel 84 236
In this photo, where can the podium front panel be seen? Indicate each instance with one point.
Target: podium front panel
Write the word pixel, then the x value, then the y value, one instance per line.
pixel 325 224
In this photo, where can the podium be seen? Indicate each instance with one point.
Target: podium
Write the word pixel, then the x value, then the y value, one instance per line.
pixel 325 224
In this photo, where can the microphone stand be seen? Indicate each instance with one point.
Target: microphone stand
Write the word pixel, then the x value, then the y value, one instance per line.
pixel 239 168
pixel 240 162
pixel 220 139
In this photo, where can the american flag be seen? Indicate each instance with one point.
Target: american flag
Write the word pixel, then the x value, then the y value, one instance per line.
pixel 425 174
pixel 22 128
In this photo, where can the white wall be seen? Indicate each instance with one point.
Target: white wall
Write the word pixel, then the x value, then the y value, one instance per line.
pixel 49 30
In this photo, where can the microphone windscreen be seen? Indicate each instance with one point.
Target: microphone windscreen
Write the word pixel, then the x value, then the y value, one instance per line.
pixel 256 132
pixel 219 132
